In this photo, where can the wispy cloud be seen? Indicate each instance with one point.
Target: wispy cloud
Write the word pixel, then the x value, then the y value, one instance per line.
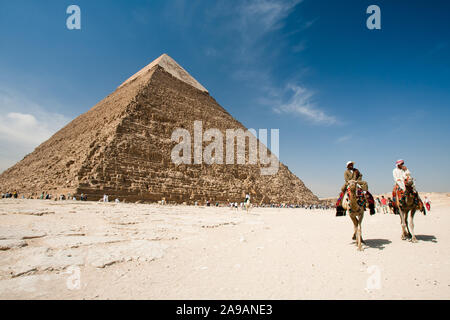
pixel 302 27
pixel 343 139
pixel 268 14
pixel 251 22
pixel 23 129
pixel 24 124
pixel 255 55
pixel 301 104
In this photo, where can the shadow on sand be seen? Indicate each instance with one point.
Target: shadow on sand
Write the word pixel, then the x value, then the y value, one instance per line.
pixel 424 237
pixel 379 244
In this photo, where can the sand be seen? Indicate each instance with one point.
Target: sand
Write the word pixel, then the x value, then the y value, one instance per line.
pixel 87 250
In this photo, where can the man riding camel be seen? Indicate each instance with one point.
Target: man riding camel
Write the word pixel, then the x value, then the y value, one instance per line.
pixel 353 174
pixel 401 174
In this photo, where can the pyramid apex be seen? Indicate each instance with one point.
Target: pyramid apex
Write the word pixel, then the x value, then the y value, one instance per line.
pixel 170 66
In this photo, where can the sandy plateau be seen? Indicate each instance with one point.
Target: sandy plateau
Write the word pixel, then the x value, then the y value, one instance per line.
pixel 89 250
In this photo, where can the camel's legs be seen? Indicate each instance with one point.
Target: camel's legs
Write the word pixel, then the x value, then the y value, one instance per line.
pixel 359 234
pixel 403 223
pixel 355 226
pixel 360 226
pixel 411 226
pixel 408 233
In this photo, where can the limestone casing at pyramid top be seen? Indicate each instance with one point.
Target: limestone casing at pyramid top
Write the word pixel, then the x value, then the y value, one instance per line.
pixel 170 66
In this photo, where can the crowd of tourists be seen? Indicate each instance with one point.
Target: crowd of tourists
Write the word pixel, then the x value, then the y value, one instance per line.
pixel 386 205
pixel 234 205
pixel 44 196
pixel 296 206
pixel 241 205
pixel 9 195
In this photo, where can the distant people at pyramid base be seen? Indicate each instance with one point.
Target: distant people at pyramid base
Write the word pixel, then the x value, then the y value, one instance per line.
pixel 9 195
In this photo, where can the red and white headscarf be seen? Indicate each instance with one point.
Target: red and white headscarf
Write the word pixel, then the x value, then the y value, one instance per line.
pixel 400 162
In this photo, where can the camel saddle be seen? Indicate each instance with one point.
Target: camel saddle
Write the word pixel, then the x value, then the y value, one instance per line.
pixel 362 201
pixel 398 196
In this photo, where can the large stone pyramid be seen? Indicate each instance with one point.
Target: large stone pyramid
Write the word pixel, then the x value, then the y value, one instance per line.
pixel 122 147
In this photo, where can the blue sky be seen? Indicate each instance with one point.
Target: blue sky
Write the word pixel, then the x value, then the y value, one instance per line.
pixel 336 90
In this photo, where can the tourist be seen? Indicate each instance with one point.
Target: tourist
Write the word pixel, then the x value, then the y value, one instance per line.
pixel 391 205
pixel 378 205
pixel 384 204
pixel 428 203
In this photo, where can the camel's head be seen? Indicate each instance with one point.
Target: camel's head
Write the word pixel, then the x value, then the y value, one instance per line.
pixel 409 184
pixel 352 185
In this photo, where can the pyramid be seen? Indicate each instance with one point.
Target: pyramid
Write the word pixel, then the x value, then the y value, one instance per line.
pixel 122 147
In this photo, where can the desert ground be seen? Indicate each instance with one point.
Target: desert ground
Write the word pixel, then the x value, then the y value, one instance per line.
pixel 90 250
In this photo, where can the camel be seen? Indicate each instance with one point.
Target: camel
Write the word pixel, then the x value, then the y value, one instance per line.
pixel 355 211
pixel 405 206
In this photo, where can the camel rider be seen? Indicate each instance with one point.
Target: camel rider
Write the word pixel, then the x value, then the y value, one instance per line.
pixel 353 174
pixel 401 173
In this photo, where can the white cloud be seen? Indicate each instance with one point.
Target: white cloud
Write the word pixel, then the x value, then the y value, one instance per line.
pixel 301 104
pixel 343 139
pixel 255 20
pixel 268 14
pixel 24 125
pixel 26 129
